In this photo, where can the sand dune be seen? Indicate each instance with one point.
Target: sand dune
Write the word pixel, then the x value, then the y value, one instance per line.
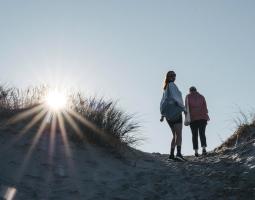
pixel 91 172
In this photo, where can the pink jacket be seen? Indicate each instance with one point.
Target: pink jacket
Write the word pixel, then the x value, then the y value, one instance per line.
pixel 197 106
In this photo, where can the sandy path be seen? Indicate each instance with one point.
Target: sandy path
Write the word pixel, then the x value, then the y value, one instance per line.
pixel 90 172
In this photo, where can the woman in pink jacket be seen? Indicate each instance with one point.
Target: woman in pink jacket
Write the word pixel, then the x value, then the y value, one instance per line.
pixel 198 118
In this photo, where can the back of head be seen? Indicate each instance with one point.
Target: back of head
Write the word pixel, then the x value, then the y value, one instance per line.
pixel 192 89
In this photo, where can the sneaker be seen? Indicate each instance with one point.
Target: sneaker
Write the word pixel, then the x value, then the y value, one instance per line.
pixel 171 157
pixel 196 154
pixel 204 153
pixel 180 157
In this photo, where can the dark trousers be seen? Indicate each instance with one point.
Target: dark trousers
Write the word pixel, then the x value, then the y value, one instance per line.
pixel 198 127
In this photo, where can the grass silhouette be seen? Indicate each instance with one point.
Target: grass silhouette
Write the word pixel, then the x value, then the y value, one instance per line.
pixel 244 132
pixel 90 119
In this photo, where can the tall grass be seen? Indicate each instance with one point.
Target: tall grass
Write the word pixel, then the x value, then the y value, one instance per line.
pixel 15 99
pixel 245 130
pixel 113 123
pixel 114 127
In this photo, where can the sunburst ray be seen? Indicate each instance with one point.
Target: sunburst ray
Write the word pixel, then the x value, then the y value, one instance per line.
pixel 34 143
pixel 52 136
pixel 38 117
pixel 107 137
pixel 71 165
pixel 64 134
pixel 85 122
pixel 24 114
pixel 73 124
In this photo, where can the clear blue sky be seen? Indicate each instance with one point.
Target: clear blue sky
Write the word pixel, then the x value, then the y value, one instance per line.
pixel 122 50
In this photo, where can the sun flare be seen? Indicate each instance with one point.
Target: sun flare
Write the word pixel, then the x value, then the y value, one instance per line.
pixel 56 100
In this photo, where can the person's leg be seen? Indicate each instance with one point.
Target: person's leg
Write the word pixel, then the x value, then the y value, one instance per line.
pixel 194 131
pixel 202 128
pixel 173 142
pixel 178 132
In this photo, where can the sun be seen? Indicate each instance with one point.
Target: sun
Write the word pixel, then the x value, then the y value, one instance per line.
pixel 56 100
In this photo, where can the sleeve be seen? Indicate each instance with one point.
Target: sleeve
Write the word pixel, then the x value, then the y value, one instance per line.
pixel 176 95
pixel 162 101
pixel 205 105
pixel 186 102
pixel 169 91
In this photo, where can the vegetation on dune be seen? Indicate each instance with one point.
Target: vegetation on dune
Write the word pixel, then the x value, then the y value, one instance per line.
pixel 96 120
pixel 112 123
pixel 245 131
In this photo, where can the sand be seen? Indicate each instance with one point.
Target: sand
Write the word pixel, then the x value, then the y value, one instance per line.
pixel 91 172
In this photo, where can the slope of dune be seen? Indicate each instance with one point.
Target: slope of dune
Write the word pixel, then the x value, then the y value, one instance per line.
pixel 86 171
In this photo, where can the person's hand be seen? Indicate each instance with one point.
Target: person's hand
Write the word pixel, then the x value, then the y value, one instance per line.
pixel 162 118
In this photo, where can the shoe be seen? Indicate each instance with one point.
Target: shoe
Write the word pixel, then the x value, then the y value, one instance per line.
pixel 171 157
pixel 180 157
pixel 204 153
pixel 196 155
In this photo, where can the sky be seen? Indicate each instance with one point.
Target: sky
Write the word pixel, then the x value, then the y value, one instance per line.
pixel 122 49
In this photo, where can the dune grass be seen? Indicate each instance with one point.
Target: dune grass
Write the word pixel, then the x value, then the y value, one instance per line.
pixel 245 130
pixel 112 126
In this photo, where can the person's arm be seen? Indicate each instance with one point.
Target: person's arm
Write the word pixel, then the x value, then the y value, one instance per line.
pixel 162 118
pixel 205 105
pixel 186 105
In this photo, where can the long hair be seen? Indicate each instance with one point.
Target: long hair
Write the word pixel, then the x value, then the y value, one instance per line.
pixel 167 79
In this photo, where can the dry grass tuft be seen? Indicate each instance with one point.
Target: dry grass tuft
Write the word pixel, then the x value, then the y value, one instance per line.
pixel 114 127
pixel 245 131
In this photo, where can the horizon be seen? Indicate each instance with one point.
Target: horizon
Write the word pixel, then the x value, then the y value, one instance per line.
pixel 122 51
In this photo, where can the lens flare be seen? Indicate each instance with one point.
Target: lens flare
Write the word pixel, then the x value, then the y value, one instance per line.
pixel 56 100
